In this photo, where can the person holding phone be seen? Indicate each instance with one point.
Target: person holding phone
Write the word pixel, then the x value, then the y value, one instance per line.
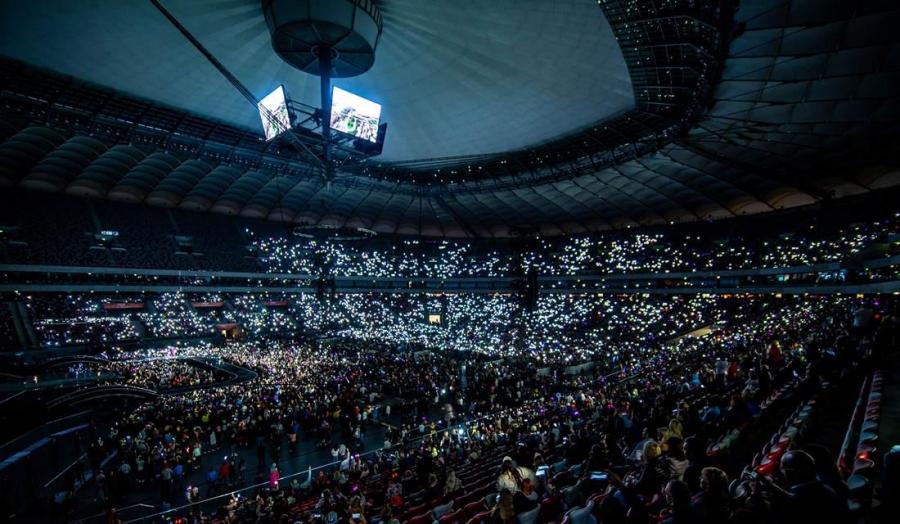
pixel 357 515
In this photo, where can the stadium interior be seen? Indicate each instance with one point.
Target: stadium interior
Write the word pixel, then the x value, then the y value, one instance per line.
pixel 437 262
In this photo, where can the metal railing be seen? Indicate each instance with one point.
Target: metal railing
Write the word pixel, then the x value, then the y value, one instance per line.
pixel 45 430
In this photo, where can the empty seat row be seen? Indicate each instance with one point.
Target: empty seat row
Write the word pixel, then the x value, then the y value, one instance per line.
pixel 794 427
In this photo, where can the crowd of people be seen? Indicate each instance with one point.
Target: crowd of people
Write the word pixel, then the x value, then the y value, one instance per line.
pixel 635 429
pixel 615 253
pixel 159 374
pixel 260 319
pixel 112 234
pixel 561 328
pixel 633 407
pixel 73 319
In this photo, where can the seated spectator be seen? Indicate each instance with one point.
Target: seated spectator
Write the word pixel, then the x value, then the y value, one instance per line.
pixel 655 470
pixel 503 511
pixel 808 499
pixel 675 454
pixel 525 499
pixel 679 509
pixel 827 470
pixel 433 490
pixel 695 453
pixel 598 460
pixel 712 503
pixel 453 484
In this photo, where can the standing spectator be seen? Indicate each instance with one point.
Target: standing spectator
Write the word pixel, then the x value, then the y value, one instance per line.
pixel 274 476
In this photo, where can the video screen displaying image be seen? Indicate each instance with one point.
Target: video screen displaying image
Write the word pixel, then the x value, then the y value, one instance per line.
pixel 354 115
pixel 278 120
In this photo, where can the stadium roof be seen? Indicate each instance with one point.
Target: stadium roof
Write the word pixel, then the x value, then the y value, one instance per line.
pixel 453 78
pixel 505 117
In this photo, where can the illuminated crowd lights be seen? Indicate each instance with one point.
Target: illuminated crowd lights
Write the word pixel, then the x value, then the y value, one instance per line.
pixel 158 374
pixel 62 320
pixel 299 381
pixel 621 252
pixel 562 329
pixel 258 319
pixel 174 317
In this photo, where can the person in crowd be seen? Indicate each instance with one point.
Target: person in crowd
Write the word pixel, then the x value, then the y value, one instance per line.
pixel 274 476
pixel 590 423
pixel 452 485
pixel 655 470
pixel 510 478
pixel 679 508
pixel 807 497
pixel 503 511
pixel 597 460
pixel 525 499
pixel 676 455
pixel 695 454
pixel 712 504
pixel 826 469
pixel 433 489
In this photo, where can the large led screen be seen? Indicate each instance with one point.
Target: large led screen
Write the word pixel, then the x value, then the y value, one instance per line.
pixel 354 115
pixel 273 111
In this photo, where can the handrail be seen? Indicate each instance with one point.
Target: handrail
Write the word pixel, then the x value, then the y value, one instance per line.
pixel 44 429
pixel 7 399
pixel 852 429
pixel 110 389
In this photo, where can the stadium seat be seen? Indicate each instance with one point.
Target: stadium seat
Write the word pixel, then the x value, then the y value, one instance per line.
pixel 478 518
pixel 582 515
pixel 453 517
pixel 472 508
pixel 424 518
pixel 443 509
pixel 529 517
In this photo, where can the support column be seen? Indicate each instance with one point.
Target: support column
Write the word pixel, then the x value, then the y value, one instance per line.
pixel 324 54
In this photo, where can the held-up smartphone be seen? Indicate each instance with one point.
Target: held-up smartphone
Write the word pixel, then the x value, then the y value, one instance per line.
pixel 599 475
pixel 541 471
pixel 355 516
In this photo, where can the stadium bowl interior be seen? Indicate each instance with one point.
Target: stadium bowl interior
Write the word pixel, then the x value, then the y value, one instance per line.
pixel 482 262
